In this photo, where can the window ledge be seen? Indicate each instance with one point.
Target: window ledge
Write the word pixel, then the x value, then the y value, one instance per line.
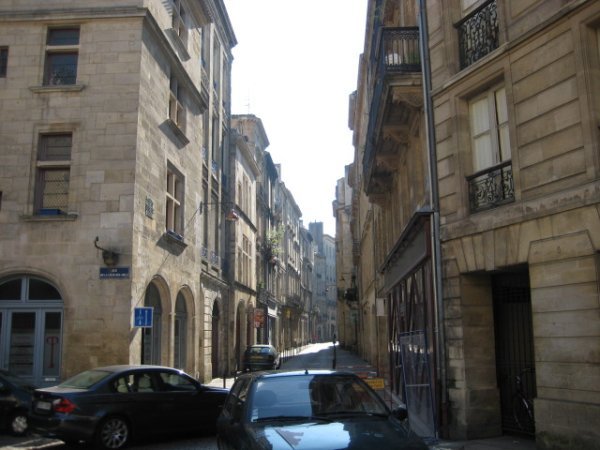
pixel 71 216
pixel 178 132
pixel 57 88
pixel 175 238
pixel 177 43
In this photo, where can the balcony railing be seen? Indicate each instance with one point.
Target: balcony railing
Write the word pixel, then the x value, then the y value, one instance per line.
pixel 397 53
pixel 491 187
pixel 478 34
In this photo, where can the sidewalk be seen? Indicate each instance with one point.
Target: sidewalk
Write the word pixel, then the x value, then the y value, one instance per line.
pixel 348 361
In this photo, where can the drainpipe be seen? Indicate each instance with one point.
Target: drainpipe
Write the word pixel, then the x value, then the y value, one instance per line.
pixel 435 202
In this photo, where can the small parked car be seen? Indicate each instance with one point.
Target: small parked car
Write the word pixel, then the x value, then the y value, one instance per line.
pixel 15 401
pixel 111 406
pixel 261 357
pixel 310 410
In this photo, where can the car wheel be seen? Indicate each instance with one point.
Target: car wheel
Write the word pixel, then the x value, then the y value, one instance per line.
pixel 113 433
pixel 18 423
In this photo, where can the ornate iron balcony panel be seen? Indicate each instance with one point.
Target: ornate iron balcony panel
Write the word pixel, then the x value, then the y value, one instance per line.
pixel 491 188
pixel 478 34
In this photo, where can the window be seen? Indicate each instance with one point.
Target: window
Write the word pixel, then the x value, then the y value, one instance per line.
pixel 492 181
pixel 205 45
pixel 489 129
pixel 62 51
pixel 246 261
pixel 3 61
pixel 176 110
pixel 174 201
pixel 179 21
pixel 53 173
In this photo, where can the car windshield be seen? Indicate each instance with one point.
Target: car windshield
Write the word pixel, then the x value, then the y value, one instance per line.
pixel 85 380
pixel 312 396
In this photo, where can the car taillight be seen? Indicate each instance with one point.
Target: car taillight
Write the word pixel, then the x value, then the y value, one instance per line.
pixel 63 405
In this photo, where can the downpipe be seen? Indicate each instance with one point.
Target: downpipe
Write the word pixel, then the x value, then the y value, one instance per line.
pixel 435 222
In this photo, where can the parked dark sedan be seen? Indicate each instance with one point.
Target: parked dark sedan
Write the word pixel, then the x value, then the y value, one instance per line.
pixel 110 406
pixel 261 357
pixel 310 410
pixel 15 401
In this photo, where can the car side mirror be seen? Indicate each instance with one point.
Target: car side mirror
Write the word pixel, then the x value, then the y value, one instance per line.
pixel 400 413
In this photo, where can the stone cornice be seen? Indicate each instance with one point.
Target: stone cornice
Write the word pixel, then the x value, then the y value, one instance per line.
pixel 72 13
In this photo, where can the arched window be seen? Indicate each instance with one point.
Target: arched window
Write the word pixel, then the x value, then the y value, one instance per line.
pixel 179 352
pixel 151 336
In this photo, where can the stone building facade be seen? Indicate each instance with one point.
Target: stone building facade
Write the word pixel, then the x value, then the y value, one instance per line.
pixel 476 213
pixel 249 140
pixel 516 96
pixel 114 124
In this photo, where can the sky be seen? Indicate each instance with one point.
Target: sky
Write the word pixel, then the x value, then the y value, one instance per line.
pixel 295 66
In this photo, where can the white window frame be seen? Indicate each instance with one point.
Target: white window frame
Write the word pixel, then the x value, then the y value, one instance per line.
pixel 490 141
pixel 174 201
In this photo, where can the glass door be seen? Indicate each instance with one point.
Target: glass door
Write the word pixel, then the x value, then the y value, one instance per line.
pixel 22 344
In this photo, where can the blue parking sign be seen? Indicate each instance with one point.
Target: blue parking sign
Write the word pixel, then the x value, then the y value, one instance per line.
pixel 142 317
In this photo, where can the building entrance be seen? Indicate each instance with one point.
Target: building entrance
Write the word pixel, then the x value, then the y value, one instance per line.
pixel 31 313
pixel 515 364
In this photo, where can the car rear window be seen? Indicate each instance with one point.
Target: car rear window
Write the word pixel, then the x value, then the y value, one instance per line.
pixel 85 380
pixel 264 350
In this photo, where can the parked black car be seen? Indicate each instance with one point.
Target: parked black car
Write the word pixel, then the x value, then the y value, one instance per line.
pixel 310 410
pixel 15 401
pixel 110 406
pixel 261 357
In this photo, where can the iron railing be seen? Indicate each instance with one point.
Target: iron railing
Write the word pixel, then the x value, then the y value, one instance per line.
pixel 478 34
pixel 397 53
pixel 491 187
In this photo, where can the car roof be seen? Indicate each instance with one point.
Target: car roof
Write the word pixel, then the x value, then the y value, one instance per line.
pixel 124 367
pixel 292 373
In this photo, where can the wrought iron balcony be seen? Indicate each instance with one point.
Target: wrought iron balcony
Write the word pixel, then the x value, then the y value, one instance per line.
pixel 491 187
pixel 478 34
pixel 396 90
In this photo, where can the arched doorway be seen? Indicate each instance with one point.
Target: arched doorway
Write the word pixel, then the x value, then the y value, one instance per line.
pixel 180 338
pixel 214 357
pixel 31 315
pixel 151 345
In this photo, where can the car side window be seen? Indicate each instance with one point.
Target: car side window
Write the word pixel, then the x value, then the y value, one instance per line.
pixel 144 383
pixel 175 382
pixel 122 384
pixel 237 397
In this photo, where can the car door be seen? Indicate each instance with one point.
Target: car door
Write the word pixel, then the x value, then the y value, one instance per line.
pixel 145 403
pixel 183 401
pixel 230 424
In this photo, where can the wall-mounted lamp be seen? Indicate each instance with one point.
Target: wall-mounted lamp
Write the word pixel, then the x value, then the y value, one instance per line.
pixel 231 216
pixel 110 258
